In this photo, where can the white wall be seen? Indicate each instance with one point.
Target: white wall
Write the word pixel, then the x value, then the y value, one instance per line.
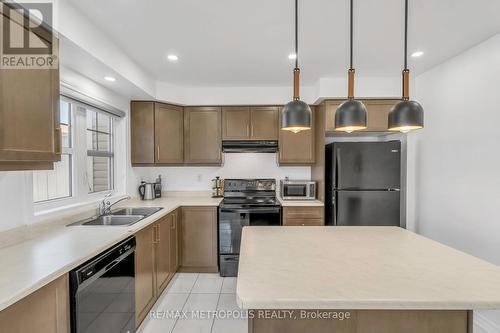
pixel 198 178
pixel 457 155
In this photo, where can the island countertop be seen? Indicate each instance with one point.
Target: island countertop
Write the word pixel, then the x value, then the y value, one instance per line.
pixel 359 268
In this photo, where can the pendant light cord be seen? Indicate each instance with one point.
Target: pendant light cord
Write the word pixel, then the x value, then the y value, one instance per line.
pixel 351 34
pixel 406 35
pixel 296 34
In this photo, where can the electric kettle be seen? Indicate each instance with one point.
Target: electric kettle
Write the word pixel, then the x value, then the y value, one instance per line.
pixel 147 190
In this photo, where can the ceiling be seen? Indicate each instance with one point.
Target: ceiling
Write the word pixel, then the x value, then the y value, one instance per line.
pixel 246 43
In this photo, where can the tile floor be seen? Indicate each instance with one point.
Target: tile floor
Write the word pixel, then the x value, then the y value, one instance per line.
pixel 189 300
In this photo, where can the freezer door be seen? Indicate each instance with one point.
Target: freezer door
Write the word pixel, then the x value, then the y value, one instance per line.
pixel 367 165
pixel 367 208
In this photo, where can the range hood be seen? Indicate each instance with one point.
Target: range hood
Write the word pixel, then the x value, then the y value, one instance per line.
pixel 250 146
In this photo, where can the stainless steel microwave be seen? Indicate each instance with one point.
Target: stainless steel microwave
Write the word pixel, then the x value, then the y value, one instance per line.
pixel 297 189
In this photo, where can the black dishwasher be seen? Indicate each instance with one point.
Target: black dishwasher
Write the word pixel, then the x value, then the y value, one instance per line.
pixel 102 292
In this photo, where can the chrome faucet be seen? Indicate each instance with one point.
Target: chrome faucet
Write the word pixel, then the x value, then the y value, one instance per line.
pixel 105 205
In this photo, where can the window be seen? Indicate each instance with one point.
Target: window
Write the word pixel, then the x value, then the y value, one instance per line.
pixel 87 160
pixel 57 183
pixel 99 152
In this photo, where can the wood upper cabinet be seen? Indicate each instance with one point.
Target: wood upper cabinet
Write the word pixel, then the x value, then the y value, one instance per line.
pixel 264 125
pixel 162 252
pixel 199 239
pixel 29 116
pixel 169 134
pixel 250 123
pixel 378 113
pixel 236 123
pixel 156 133
pixel 44 311
pixel 142 132
pixel 297 148
pixel 145 290
pixel 203 135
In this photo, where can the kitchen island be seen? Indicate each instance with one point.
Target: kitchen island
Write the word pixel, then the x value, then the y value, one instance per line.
pixel 359 280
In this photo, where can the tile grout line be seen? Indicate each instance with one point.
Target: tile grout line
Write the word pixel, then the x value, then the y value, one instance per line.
pixel 183 305
pixel 217 305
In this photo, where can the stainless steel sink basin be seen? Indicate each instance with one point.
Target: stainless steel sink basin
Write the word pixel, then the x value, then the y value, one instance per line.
pixel 144 211
pixel 120 217
pixel 114 220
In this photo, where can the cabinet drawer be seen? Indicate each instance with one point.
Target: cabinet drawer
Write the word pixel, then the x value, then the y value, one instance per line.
pixel 303 213
pixel 303 222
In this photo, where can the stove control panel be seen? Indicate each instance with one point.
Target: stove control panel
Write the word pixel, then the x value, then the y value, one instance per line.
pixel 242 185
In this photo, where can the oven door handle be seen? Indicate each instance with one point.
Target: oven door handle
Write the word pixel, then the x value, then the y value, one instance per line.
pixel 258 210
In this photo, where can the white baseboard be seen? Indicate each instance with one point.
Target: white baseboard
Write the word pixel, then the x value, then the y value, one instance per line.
pixel 484 324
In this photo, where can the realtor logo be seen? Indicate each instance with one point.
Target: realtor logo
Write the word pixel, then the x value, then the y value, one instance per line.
pixel 27 38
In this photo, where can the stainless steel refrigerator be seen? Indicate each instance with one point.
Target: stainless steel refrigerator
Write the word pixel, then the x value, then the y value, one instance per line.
pixel 362 184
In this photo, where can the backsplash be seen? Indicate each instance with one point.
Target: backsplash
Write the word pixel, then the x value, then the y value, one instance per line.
pixel 253 165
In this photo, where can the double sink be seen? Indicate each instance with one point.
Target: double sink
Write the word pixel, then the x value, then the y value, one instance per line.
pixel 120 217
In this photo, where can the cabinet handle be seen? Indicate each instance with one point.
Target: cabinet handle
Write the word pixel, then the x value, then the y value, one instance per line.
pixel 158 232
pixel 57 148
pixel 251 131
pixel 154 234
pixel 248 129
pixel 158 153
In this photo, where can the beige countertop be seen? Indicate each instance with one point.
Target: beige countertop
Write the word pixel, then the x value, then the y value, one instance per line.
pixel 359 268
pixel 300 203
pixel 35 255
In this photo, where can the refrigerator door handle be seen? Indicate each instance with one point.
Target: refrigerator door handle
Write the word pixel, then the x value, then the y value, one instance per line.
pixel 337 167
pixel 334 205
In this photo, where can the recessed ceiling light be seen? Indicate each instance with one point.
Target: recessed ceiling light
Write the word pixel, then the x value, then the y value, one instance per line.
pixel 292 56
pixel 417 54
pixel 172 57
pixel 109 78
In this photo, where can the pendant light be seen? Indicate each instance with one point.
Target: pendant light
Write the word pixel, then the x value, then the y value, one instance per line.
pixel 350 115
pixel 406 115
pixel 296 114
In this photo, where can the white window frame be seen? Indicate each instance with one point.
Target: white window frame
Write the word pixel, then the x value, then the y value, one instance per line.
pixel 79 183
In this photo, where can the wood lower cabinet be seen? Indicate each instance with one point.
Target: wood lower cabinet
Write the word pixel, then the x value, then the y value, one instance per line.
pixel 156 259
pixel 303 216
pixel 378 113
pixel 145 289
pixel 297 148
pixel 29 111
pixel 162 253
pixel 202 136
pixel 199 239
pixel 174 242
pixel 44 311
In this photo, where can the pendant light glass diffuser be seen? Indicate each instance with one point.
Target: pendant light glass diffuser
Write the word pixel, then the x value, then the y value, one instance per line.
pixel 296 115
pixel 351 114
pixel 406 115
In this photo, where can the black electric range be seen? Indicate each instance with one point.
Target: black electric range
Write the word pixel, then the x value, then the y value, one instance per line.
pixel 247 202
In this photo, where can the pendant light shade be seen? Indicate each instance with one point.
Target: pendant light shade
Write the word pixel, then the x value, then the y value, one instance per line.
pixel 296 115
pixel 350 116
pixel 406 115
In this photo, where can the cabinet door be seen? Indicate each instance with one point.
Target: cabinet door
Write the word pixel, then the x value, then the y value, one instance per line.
pixel 44 311
pixel 199 239
pixel 303 222
pixel 330 108
pixel 264 123
pixel 29 111
pixel 297 148
pixel 142 138
pixel 144 272
pixel 162 253
pixel 378 114
pixel 236 123
pixel 202 135
pixel 174 243
pixel 169 134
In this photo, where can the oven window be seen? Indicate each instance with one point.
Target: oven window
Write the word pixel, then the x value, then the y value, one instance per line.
pixel 295 190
